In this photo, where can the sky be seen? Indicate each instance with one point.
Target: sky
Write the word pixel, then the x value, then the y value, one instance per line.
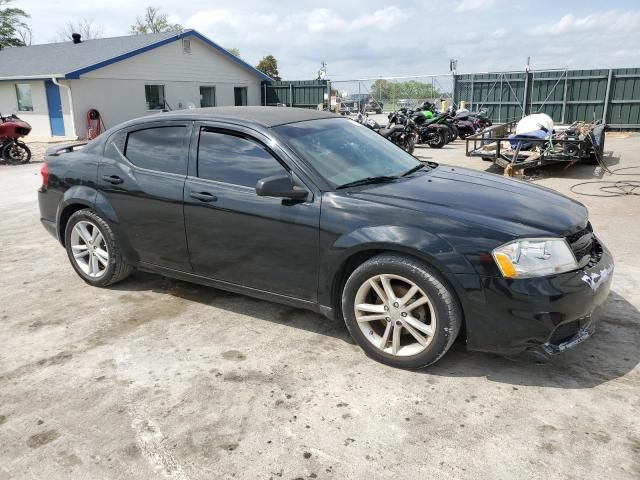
pixel 372 38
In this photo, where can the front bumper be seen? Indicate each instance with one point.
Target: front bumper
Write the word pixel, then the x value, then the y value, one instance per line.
pixel 545 315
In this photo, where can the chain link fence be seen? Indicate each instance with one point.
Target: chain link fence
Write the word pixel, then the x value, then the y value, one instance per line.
pixel 386 94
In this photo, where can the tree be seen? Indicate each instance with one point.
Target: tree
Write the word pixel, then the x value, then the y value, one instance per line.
pixel 86 28
pixel 154 21
pixel 235 51
pixel 11 26
pixel 381 89
pixel 269 66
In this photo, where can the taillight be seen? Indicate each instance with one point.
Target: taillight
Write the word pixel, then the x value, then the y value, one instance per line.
pixel 44 171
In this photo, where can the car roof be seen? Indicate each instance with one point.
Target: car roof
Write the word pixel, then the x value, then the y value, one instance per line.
pixel 264 116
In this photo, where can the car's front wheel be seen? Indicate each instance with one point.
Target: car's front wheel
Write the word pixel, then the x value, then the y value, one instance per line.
pixel 400 312
pixel 93 249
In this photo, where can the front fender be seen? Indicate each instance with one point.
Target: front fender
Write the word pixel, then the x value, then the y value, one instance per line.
pixel 412 241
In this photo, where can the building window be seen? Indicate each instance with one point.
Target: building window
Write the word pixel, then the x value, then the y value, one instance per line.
pixel 207 96
pixel 240 96
pixel 23 93
pixel 154 95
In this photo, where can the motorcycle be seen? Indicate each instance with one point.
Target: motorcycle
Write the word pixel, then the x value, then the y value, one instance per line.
pixel 428 130
pixel 402 135
pixel 470 122
pixel 435 116
pixel 12 150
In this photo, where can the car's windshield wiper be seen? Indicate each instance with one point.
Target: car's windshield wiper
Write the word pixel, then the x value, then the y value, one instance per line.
pixel 367 181
pixel 414 169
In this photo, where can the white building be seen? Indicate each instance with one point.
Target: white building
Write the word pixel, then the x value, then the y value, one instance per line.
pixel 53 86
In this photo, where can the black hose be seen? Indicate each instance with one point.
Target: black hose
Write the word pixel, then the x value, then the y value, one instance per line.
pixel 612 188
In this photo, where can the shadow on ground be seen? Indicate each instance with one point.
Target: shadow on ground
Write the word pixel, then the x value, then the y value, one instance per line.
pixel 610 354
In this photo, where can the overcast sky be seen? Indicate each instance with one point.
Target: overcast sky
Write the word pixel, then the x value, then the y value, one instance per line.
pixel 365 38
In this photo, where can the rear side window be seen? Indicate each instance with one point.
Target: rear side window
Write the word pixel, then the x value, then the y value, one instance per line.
pixel 233 159
pixel 158 148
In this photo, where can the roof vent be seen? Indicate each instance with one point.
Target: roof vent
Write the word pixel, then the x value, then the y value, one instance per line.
pixel 76 37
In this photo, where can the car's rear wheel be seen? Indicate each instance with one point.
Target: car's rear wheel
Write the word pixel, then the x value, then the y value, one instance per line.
pixel 93 250
pixel 400 312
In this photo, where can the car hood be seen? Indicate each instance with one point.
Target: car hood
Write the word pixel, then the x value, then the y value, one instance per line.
pixel 484 198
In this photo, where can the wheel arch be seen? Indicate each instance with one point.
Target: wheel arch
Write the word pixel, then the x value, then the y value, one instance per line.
pixel 351 250
pixel 78 198
pixel 366 252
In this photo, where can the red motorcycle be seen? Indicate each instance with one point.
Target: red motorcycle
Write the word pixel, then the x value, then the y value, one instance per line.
pixel 11 149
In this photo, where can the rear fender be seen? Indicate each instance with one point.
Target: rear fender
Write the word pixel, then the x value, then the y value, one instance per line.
pixel 91 198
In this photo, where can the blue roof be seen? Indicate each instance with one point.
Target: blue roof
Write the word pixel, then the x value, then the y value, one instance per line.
pixel 69 60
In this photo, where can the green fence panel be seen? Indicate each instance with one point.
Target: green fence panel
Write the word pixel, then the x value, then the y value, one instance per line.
pixel 296 93
pixel 565 95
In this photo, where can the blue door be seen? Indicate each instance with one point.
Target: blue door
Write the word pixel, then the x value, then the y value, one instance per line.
pixel 55 109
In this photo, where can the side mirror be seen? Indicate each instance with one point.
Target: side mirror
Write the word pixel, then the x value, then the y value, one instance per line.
pixel 280 186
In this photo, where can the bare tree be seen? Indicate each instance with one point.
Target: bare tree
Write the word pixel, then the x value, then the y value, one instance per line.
pixel 25 35
pixel 154 21
pixel 85 27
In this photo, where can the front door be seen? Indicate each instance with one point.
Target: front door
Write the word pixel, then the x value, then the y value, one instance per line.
pixel 142 175
pixel 236 236
pixel 54 104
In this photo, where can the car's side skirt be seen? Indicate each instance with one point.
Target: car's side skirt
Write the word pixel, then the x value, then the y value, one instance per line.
pixel 231 287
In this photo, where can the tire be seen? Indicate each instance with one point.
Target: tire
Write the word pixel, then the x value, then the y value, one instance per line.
pixel 401 272
pixel 16 153
pixel 410 145
pixel 456 133
pixel 111 269
pixel 439 142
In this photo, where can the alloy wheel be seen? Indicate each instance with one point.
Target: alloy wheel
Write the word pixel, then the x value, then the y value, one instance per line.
pixel 395 315
pixel 89 249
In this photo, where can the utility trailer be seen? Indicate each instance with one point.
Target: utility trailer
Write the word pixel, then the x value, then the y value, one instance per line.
pixel 579 141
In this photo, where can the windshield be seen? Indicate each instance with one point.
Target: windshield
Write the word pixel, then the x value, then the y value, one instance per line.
pixel 343 151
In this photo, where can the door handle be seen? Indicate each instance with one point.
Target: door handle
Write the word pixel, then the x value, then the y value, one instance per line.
pixel 203 196
pixel 113 179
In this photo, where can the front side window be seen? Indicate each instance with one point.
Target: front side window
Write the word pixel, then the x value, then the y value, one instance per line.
pixel 154 96
pixel 233 159
pixel 343 151
pixel 207 96
pixel 158 148
pixel 23 93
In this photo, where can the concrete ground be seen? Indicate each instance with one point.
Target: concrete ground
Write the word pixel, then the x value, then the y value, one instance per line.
pixel 156 378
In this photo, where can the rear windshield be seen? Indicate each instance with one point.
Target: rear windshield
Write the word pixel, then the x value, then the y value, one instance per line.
pixel 343 151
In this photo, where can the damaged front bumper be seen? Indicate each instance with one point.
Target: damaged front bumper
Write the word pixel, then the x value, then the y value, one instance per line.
pixel 541 316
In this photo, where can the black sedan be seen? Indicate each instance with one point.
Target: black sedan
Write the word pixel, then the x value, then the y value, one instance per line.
pixel 313 210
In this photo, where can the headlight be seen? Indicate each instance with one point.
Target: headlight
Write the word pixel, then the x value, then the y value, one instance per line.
pixel 534 257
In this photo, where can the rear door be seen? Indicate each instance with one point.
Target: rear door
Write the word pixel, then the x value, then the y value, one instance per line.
pixel 142 175
pixel 236 236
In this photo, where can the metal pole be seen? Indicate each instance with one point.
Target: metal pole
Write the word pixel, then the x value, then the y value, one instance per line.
pixel 265 94
pixel 500 104
pixel 564 97
pixel 471 99
pixel 291 95
pixel 526 90
pixel 606 97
